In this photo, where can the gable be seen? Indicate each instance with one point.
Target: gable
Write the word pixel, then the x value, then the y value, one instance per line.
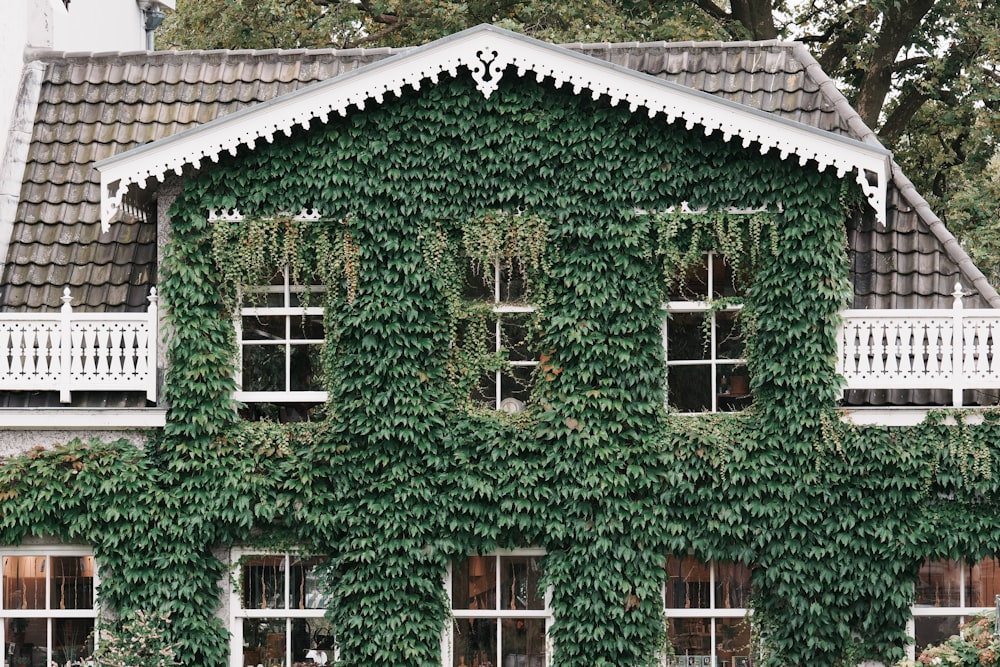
pixel 489 55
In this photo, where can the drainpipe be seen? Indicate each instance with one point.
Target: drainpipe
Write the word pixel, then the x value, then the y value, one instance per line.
pixel 154 17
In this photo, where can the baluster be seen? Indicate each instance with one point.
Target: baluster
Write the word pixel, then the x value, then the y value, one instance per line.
pixel 68 351
pixel 129 352
pixel 115 353
pixel 5 335
pixel 866 349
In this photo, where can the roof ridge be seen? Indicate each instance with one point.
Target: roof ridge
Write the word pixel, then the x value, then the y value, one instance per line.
pixel 51 55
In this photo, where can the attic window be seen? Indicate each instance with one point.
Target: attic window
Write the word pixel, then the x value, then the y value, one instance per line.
pixel 506 333
pixel 281 335
pixel 703 342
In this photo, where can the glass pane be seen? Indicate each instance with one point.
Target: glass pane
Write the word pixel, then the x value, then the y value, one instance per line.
pixel 475 642
pixel 322 644
pixel 723 283
pixel 479 283
pixel 690 638
pixel 264 582
pixel 306 297
pixel 264 299
pixel 732 641
pixel 732 586
pixel 522 642
pixel 72 582
pixel 305 374
pixel 264 641
pixel 485 394
pixel 26 640
pixel 306 584
pixel 263 368
pixel 512 286
pixel 689 388
pixel 694 285
pixel 939 584
pixel 474 583
pixel 933 630
pixel 514 336
pixel 686 336
pixel 728 335
pixel 309 327
pixel 519 583
pixel 688 584
pixel 270 327
pixel 515 382
pixel 72 639
pixel 982 583
pixel 24 582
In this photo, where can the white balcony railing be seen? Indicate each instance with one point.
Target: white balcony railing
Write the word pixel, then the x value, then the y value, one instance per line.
pixel 921 349
pixel 69 351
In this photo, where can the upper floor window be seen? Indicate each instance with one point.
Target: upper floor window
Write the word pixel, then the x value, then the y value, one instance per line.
pixel 278 610
pixel 501 616
pixel 281 334
pixel 707 613
pixel 48 606
pixel 947 593
pixel 506 333
pixel 703 341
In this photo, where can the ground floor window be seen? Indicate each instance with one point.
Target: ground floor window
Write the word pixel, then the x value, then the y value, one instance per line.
pixel 278 608
pixel 47 606
pixel 707 614
pixel 501 615
pixel 947 593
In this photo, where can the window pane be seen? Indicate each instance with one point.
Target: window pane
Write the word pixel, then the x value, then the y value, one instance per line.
pixel 732 640
pixel 264 641
pixel 983 583
pixel 512 287
pixel 305 367
pixel 26 638
pixel 522 642
pixel 685 336
pixel 690 637
pixel 728 335
pixel 306 585
pixel 264 368
pixel 694 285
pixel 515 382
pixel 939 584
pixel 264 582
pixel 24 582
pixel 72 639
pixel 689 388
pixel 475 642
pixel 722 278
pixel 934 630
pixel 732 586
pixel 473 584
pixel 519 583
pixel 688 584
pixel 514 336
pixel 308 327
pixel 323 641
pixel 478 283
pixel 267 327
pixel 72 582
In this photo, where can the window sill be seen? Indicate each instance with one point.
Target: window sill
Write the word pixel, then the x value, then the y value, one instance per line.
pixel 88 419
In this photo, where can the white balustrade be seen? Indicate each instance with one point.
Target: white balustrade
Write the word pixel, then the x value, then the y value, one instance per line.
pixel 69 351
pixel 920 349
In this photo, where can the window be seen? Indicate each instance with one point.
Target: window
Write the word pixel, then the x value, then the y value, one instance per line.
pixel 281 334
pixel 278 612
pixel 500 615
pixel 706 371
pixel 707 614
pixel 509 388
pixel 947 593
pixel 48 606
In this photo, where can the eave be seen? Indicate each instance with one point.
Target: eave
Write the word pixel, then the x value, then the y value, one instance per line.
pixel 486 52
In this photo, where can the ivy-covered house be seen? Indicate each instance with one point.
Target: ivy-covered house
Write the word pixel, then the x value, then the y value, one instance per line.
pixel 487 352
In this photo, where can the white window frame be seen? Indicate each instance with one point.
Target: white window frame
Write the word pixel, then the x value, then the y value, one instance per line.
pixel 288 312
pixel 711 613
pixel 448 640
pixel 238 613
pixel 500 308
pixel 49 615
pixel 715 363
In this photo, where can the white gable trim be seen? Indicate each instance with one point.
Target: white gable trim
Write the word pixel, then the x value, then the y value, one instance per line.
pixel 486 52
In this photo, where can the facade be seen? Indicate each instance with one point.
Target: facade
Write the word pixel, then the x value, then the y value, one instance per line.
pixel 488 352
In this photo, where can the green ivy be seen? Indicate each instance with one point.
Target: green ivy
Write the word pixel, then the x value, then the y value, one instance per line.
pixel 402 477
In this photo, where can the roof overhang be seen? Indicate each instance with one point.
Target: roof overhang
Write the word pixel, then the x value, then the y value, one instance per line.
pixel 486 52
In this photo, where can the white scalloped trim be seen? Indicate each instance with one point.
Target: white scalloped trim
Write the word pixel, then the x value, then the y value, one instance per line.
pixel 486 53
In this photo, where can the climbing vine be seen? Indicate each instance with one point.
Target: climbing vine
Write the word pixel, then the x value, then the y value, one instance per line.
pixel 402 477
